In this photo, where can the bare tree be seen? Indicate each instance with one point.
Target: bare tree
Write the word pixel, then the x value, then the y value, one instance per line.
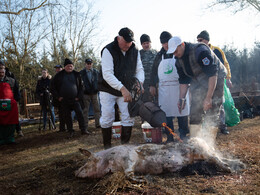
pixel 44 3
pixel 72 29
pixel 20 36
pixel 81 26
pixel 238 5
pixel 55 17
pixel 65 29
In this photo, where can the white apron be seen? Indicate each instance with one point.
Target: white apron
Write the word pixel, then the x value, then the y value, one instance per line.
pixel 168 92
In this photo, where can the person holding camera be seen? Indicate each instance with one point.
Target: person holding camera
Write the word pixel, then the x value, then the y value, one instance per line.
pixel 42 90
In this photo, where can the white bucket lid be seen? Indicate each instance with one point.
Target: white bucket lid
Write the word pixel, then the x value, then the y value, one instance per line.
pixel 146 125
pixel 118 123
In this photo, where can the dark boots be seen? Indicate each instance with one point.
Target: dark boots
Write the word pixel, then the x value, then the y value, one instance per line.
pixel 126 134
pixel 107 134
pixel 223 129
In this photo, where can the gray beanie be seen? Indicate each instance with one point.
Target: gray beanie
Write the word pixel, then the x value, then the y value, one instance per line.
pixel 204 35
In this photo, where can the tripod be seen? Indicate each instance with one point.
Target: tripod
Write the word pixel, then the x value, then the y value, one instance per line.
pixel 46 108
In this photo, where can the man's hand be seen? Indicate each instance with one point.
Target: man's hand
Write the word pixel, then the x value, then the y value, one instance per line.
pixel 139 89
pixel 60 98
pixel 207 104
pixel 126 94
pixel 181 104
pixel 152 90
pixel 41 94
pixel 77 99
pixel 229 83
pixel 142 88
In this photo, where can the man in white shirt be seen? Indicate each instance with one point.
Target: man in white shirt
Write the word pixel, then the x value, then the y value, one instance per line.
pixel 120 63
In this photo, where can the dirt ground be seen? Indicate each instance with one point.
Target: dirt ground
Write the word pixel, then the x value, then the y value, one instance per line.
pixel 44 163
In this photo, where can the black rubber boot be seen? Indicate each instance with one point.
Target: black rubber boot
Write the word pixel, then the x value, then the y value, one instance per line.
pixel 224 130
pixel 107 134
pixel 126 134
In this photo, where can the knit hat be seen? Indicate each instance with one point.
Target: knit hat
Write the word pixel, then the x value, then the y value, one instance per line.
pixel 165 36
pixel 204 35
pixel 145 38
pixel 127 34
pixel 67 61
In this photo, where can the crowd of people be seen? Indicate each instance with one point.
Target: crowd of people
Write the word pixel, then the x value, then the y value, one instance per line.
pixel 185 79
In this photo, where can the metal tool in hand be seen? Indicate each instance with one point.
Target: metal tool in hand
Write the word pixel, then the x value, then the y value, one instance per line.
pixel 136 93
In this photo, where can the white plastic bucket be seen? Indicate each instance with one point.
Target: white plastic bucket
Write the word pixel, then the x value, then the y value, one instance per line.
pixel 151 134
pixel 116 130
pixel 147 132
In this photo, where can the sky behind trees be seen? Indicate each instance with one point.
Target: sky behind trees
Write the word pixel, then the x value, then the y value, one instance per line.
pixel 185 18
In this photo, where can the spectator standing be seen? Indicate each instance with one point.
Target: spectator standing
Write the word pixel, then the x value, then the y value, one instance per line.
pixel 67 88
pixel 10 74
pixel 9 94
pixel 58 68
pixel 165 76
pixel 147 57
pixel 198 66
pixel 89 76
pixel 43 91
pixel 204 38
pixel 120 63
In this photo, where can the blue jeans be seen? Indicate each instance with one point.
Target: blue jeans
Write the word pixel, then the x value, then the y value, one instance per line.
pixel 183 127
pixel 44 112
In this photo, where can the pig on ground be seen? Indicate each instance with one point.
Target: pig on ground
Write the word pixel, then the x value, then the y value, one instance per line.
pixel 153 159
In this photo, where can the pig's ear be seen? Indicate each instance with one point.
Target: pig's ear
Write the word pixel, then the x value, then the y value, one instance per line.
pixel 141 155
pixel 85 152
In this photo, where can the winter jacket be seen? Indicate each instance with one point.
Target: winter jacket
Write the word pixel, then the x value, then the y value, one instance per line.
pixel 90 87
pixel 56 84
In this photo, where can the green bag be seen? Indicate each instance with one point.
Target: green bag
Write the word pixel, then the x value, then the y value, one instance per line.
pixel 232 116
pixel 5 104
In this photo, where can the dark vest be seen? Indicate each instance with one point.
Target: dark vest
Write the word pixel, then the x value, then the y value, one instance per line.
pixel 124 67
pixel 198 75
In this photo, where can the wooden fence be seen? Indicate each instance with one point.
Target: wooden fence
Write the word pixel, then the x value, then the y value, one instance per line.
pixel 31 108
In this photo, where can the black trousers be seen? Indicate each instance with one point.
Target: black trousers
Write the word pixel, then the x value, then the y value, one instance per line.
pixel 66 109
pixel 198 95
pixel 61 118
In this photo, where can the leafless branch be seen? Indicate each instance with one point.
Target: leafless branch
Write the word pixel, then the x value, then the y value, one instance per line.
pixel 237 5
pixel 24 9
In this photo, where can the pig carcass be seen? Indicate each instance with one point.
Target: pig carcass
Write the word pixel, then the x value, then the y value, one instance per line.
pixel 153 159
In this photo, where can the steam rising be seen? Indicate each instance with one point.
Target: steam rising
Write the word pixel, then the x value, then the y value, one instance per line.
pixel 207 132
